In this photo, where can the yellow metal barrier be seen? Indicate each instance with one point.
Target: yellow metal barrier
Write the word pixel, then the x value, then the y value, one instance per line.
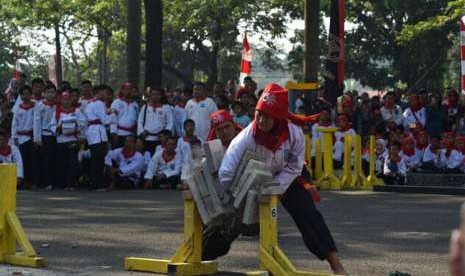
pixel 302 86
pixel 272 258
pixel 358 179
pixel 318 174
pixel 308 153
pixel 11 231
pixel 188 258
pixel 372 180
pixel 346 179
pixel 329 181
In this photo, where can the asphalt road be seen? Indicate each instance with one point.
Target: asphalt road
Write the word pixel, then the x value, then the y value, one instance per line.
pixel 90 233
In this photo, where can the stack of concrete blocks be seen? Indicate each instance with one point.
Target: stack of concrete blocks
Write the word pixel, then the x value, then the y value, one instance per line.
pixel 213 202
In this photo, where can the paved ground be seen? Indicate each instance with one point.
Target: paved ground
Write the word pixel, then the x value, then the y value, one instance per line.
pixel 89 233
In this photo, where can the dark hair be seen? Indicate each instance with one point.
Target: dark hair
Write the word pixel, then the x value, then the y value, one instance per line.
pixel 187 121
pixel 74 90
pixel 86 82
pixel 395 144
pixel 165 132
pixel 25 87
pixel 238 104
pixel 37 80
pixel 101 87
pixel 50 85
pixel 198 83
pixel 171 137
pixel 4 133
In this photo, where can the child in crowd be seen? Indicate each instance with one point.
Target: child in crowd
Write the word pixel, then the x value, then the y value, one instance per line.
pixel 165 167
pixel 409 153
pixel 431 156
pixel 125 165
pixel 10 154
pixel 394 169
pixel 421 142
pixel 22 133
pixel 344 129
pixel 450 158
pixel 44 138
pixel 240 114
pixel 164 134
pixel 380 155
pixel 67 124
pixel 179 116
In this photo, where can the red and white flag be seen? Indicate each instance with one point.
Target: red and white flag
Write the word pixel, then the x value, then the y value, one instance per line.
pixel 246 63
pixel 462 51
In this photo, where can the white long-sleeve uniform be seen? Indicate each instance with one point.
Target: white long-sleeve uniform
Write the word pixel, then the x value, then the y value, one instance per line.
pixel 42 120
pixel 154 120
pixel 131 167
pixel 392 115
pixel 338 148
pixel 453 161
pixel 411 118
pixel 72 125
pixel 22 124
pixel 97 119
pixel 429 156
pixel 158 165
pixel 14 158
pixel 200 113
pixel 401 166
pixel 286 163
pixel 180 115
pixel 413 161
pixel 126 117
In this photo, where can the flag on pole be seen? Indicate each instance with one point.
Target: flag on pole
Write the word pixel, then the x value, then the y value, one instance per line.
pixel 334 74
pixel 17 66
pixel 462 51
pixel 246 62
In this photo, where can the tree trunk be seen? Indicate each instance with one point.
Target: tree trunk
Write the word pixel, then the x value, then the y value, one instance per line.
pixel 133 40
pixel 312 47
pixel 59 68
pixel 100 54
pixel 213 77
pixel 106 37
pixel 154 32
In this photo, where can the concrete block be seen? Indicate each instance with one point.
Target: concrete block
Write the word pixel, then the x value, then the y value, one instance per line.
pixel 248 155
pixel 258 176
pixel 214 153
pixel 250 215
pixel 198 200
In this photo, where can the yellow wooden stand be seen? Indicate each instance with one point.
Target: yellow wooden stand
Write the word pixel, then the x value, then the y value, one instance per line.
pixel 329 181
pixel 272 258
pixel 346 179
pixel 188 258
pixel 11 231
pixel 358 179
pixel 372 180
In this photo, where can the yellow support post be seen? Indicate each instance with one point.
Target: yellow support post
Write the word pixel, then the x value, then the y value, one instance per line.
pixel 358 179
pixel 272 258
pixel 372 180
pixel 318 161
pixel 11 231
pixel 346 179
pixel 188 258
pixel 308 153
pixel 329 181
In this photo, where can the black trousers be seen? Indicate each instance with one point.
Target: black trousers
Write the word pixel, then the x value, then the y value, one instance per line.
pixel 97 164
pixel 47 161
pixel 28 154
pixel 173 181
pixel 124 182
pixel 68 166
pixel 299 203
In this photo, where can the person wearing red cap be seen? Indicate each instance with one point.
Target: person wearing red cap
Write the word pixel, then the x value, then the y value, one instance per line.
pixel 277 139
pixel 127 111
pixel 415 114
pixel 223 127
pixel 67 123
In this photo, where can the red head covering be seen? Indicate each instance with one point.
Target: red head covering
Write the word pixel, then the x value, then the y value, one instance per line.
pixel 408 141
pixel 242 91
pixel 452 98
pixel 344 119
pixel 461 140
pixel 217 118
pixel 414 102
pixel 347 103
pixel 418 141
